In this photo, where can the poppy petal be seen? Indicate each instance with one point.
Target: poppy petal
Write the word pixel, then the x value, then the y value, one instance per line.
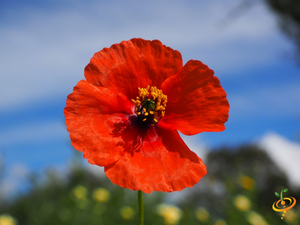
pixel 135 63
pixel 91 114
pixel 196 100
pixel 163 164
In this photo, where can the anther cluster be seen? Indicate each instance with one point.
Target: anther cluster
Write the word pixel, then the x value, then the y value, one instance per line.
pixel 150 105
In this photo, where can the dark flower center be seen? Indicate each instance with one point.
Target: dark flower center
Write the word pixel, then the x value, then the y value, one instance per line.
pixel 150 105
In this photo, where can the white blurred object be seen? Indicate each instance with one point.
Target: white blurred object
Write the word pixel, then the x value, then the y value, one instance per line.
pixel 285 154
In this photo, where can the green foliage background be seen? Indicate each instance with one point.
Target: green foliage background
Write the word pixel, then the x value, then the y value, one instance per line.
pixel 245 171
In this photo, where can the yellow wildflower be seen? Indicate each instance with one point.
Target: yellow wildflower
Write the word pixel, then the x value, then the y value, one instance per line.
pixel 127 213
pixel 256 219
pixel 170 213
pixel 6 219
pixel 242 203
pixel 101 195
pixel 80 192
pixel 247 182
pixel 202 214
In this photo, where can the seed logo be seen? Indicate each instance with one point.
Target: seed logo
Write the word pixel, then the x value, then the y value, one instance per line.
pixel 283 206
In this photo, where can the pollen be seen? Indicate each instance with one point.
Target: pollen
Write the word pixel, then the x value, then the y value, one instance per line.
pixel 150 104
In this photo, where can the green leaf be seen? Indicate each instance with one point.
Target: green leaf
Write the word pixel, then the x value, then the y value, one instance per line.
pixel 285 190
pixel 276 194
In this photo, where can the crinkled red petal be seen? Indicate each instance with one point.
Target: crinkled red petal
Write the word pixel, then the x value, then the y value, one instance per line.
pixel 91 117
pixel 196 100
pixel 163 163
pixel 131 64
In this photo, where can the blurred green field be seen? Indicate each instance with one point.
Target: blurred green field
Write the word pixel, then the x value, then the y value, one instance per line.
pixel 238 189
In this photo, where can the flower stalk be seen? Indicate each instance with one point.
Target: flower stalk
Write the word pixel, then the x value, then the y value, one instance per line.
pixel 141 208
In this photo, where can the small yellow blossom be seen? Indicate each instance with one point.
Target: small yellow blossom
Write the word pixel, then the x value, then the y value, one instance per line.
pixel 247 183
pixel 242 203
pixel 220 222
pixel 80 192
pixel 101 195
pixel 202 214
pixel 6 219
pixel 127 213
pixel 256 219
pixel 170 213
pixel 291 216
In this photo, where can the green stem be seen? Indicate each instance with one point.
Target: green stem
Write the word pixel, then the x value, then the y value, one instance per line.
pixel 281 197
pixel 141 208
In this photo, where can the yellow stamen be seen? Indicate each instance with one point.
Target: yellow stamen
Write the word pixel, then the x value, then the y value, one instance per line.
pixel 153 103
pixel 160 108
pixel 136 102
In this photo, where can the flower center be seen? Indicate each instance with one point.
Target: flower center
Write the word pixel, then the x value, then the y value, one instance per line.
pixel 150 105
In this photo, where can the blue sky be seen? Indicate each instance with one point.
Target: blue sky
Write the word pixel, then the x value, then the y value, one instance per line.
pixel 45 46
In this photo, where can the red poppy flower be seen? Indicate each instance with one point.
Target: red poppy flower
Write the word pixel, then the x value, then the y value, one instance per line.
pixel 127 113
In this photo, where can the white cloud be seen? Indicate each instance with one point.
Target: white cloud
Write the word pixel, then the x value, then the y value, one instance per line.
pixel 44 52
pixel 285 154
